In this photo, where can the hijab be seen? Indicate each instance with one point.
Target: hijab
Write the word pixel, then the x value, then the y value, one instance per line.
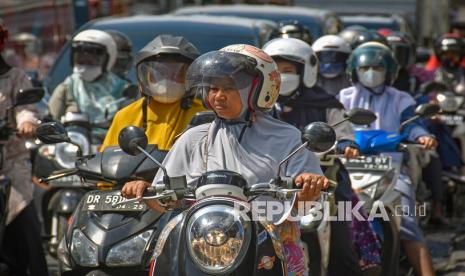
pixel 265 142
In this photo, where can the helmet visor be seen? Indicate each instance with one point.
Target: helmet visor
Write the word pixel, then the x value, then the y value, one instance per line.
pixel 220 70
pixel 88 54
pixel 332 57
pixel 371 58
pixel 162 69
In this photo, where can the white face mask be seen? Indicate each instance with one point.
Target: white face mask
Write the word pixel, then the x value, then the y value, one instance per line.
pixel 88 73
pixel 289 84
pixel 166 91
pixel 371 78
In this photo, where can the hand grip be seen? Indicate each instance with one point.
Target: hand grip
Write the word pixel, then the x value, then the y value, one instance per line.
pixel 150 191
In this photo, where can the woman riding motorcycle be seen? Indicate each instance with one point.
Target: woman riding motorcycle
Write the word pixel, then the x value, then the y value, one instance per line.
pixel 302 102
pixel 372 68
pixel 241 83
pixel 92 86
pixel 165 108
pixel 332 52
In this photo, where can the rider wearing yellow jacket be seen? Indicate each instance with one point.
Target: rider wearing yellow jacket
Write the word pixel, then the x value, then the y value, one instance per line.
pixel 165 110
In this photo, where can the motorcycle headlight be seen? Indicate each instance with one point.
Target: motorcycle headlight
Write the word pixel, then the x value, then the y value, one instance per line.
pixel 66 153
pixel 83 250
pixel 130 251
pixel 218 238
pixel 449 103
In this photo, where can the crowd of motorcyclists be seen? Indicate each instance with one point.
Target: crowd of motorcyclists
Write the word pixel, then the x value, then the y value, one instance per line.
pixel 262 100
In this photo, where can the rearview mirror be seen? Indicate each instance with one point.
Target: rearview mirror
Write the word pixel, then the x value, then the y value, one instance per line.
pixel 130 138
pixel 360 116
pixel 52 133
pixel 427 110
pixel 320 137
pixel 29 96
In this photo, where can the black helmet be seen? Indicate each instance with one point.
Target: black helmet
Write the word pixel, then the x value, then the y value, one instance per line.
pixel 293 29
pixel 367 36
pixel 162 64
pixel 403 47
pixel 124 59
pixel 449 42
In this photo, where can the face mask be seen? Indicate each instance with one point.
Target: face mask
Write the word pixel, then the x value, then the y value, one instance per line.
pixel 88 73
pixel 166 91
pixel 289 84
pixel 331 70
pixel 371 78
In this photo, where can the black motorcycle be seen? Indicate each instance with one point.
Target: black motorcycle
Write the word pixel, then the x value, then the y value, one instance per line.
pixel 210 236
pixel 101 237
pixel 63 194
pixel 24 97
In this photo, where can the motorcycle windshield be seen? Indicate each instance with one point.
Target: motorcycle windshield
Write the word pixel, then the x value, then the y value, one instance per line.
pixel 378 141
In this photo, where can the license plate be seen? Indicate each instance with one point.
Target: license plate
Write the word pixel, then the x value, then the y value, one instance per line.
pixel 105 200
pixel 378 163
pixel 67 181
pixel 451 120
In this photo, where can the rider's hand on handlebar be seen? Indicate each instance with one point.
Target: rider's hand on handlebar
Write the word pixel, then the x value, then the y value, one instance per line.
pixel 428 142
pixel 26 130
pixel 134 189
pixel 311 186
pixel 350 152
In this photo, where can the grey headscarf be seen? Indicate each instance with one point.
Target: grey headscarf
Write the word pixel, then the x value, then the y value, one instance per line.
pixel 256 156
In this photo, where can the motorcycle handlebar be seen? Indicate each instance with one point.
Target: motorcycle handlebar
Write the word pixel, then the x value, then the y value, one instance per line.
pixel 58 174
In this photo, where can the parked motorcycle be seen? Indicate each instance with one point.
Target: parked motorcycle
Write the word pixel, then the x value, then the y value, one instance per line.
pixel 373 177
pixel 209 236
pixel 24 97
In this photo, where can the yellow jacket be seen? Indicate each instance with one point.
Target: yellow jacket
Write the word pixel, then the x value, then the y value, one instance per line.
pixel 164 122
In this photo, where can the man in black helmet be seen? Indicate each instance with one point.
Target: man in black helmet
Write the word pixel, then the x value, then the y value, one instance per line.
pixel 165 109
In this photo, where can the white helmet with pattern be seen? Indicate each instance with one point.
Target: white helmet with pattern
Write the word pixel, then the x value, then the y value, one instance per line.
pixel 242 66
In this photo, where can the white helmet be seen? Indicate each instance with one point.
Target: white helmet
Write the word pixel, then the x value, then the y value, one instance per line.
pixel 331 43
pixel 89 38
pixel 297 51
pixel 332 52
